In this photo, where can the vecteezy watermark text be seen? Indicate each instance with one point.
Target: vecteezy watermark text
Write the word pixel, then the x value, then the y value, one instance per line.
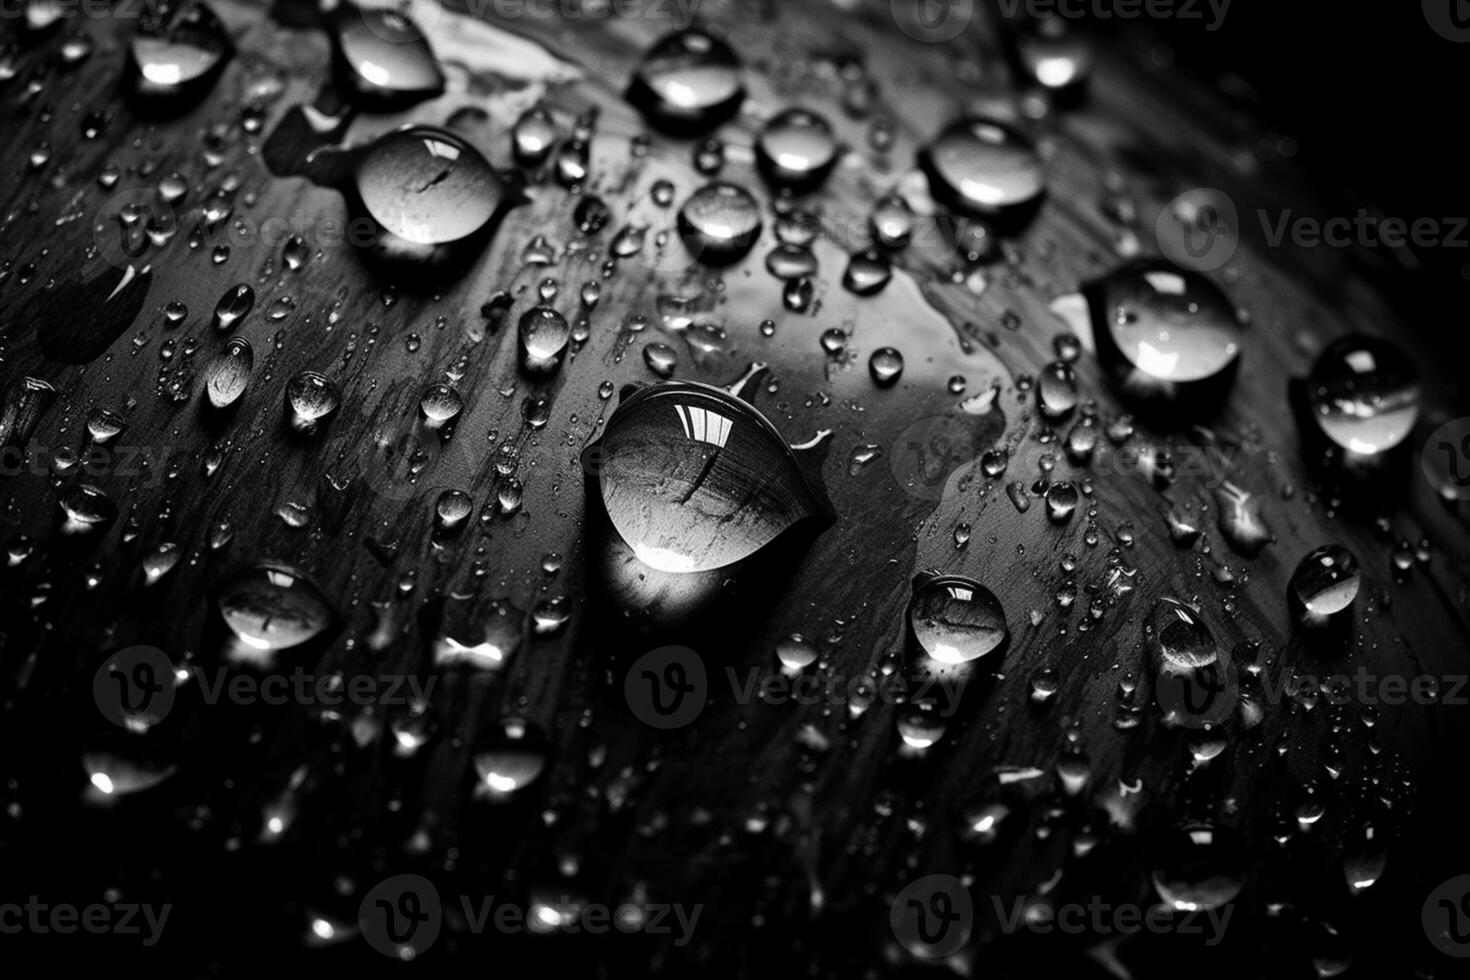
pixel 669 687
pixel 1201 229
pixel 1097 917
pixel 99 918
pixel 1212 12
pixel 136 687
pixel 401 916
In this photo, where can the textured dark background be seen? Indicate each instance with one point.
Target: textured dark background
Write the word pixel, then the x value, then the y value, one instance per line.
pixel 738 812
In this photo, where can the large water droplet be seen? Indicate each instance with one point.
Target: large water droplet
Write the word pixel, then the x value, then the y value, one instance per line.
pixel 1364 394
pixel 228 374
pixel 885 365
pixel 1324 585
pixel 955 620
pixel 1053 54
pixel 1199 867
pixel 693 478
pixel 1177 639
pixel 112 774
pixel 233 306
pixel 513 755
pixel 86 511
pixel 796 149
pixel 689 83
pixel 176 56
pixel 311 398
pixel 383 60
pixel 867 273
pixel 719 223
pixel 271 607
pixel 1164 334
pixel 986 168
pixel 1056 391
pixel 533 136
pixel 432 198
pixel 544 335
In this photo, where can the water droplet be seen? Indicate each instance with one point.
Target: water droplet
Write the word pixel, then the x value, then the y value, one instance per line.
pixel 572 163
pixel 591 214
pixel 432 198
pixel 1056 56
pixel 111 775
pixel 311 398
pixel 1239 518
pixel 1324 585
pixel 867 273
pixel 233 306
pixel 693 478
pixel 791 261
pixel 104 425
pixel 1364 394
pixel 159 560
pixel 798 295
pixel 440 405
pixel 294 253
pixel 981 823
pixel 986 168
pixel 885 365
pixel 175 57
pixel 688 83
pixel 533 136
pixel 709 157
pixel 451 509
pixel 1177 639
pixel 383 58
pixel 271 607
pixel 1165 334
pixel 796 149
pixel 513 755
pixel 544 335
pixel 1365 858
pixel 1056 391
pixel 955 620
pixel 795 654
pixel 661 359
pixel 892 222
pixel 227 375
pixel 1198 867
pixel 86 511
pixel 720 223
pixel 1061 501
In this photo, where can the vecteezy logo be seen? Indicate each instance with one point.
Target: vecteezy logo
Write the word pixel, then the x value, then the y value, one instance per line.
pixel 401 916
pixel 926 454
pixel 134 687
pixel 932 21
pixel 1446 917
pixel 132 223
pixel 1202 697
pixel 1450 19
pixel 667 687
pixel 1446 459
pixel 1199 229
pixel 933 917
